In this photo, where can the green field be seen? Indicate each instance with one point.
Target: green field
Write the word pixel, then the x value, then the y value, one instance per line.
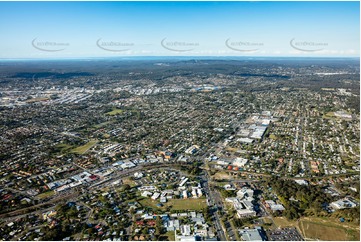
pixel 45 194
pixel 272 136
pixel 283 222
pixel 84 148
pixel 321 231
pixel 176 204
pixel 114 112
pixel 101 125
pixel 185 204
pixel 329 115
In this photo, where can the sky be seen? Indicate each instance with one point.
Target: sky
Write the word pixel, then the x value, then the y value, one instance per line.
pixel 102 29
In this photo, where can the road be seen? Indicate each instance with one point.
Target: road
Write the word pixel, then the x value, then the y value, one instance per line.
pixel 73 193
pixel 213 203
pixel 25 211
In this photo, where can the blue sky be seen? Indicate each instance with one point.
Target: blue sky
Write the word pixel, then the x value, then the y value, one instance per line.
pixel 100 29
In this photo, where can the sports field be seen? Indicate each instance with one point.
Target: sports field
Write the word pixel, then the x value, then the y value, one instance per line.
pixel 177 204
pixel 114 112
pixel 84 148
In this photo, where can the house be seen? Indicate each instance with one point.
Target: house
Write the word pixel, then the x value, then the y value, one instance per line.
pixel 146 194
pixel 342 204
pixel 185 194
pixel 183 181
pixel 191 150
pixel 138 175
pixel 155 195
pixel 199 191
pixel 127 165
pixel 194 193
pixel 185 230
pixel 147 188
pixel 139 223
pixel 302 182
pixel 151 223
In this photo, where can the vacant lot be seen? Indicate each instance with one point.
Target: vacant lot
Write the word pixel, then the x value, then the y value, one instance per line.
pixel 115 112
pixel 322 232
pixel 84 148
pixel 283 222
pixel 221 175
pixel 46 194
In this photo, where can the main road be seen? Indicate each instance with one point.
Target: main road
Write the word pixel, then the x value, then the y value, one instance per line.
pixel 213 202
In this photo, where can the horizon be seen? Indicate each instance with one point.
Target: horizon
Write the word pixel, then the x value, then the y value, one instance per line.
pixel 181 57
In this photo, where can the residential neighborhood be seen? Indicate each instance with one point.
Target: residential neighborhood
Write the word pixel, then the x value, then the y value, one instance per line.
pixel 172 155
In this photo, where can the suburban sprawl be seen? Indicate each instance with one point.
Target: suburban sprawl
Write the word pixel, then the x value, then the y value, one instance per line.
pixel 180 149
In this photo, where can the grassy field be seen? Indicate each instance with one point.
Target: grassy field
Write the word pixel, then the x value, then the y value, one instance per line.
pixel 191 204
pixel 322 228
pixel 329 115
pixel 230 149
pixel 114 112
pixel 129 182
pixel 84 148
pixel 45 194
pixel 221 175
pixel 322 232
pixel 176 204
pixel 147 202
pixel 283 222
pixel 268 223
pixel 329 229
pixel 101 125
pixel 272 136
